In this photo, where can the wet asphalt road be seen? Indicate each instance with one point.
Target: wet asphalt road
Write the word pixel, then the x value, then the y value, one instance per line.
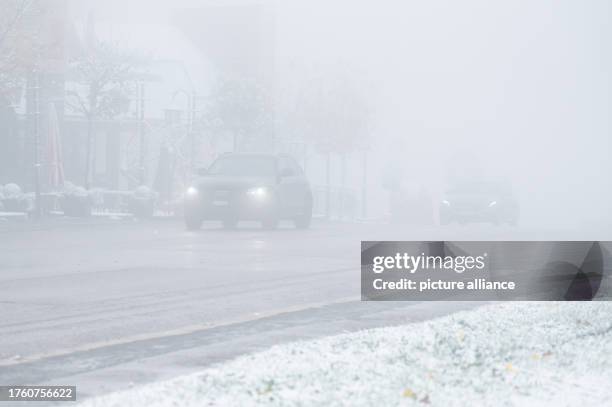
pixel 71 287
pixel 105 305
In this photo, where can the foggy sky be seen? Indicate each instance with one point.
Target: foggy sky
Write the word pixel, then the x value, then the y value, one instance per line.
pixel 520 89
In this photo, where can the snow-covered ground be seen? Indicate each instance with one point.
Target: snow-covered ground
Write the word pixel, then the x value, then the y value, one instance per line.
pixel 513 354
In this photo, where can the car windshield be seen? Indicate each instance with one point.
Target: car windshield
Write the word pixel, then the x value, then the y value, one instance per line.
pixel 481 187
pixel 244 166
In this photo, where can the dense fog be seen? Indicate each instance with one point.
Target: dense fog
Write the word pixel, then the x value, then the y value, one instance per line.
pixel 279 202
pixel 425 92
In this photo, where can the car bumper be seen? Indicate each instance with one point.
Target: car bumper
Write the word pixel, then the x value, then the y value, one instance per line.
pixel 482 215
pixel 243 209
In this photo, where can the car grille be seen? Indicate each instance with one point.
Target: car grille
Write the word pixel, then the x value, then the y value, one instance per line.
pixel 223 197
pixel 221 194
pixel 469 206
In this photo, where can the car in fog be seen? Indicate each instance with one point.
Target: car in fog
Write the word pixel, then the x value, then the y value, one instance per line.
pixel 411 206
pixel 250 186
pixel 479 201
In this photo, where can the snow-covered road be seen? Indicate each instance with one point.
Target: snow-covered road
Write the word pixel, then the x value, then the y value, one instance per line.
pixel 512 354
pixel 105 306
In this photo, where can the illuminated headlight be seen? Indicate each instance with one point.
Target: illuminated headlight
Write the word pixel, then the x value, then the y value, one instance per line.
pixel 192 191
pixel 492 204
pixel 445 202
pixel 259 193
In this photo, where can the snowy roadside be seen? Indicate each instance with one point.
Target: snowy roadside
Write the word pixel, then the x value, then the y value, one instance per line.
pixel 510 354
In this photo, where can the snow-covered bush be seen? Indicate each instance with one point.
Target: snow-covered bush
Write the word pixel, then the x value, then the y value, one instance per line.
pixel 12 191
pixel 13 198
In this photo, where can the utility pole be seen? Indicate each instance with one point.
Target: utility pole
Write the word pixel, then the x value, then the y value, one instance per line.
pixel 35 131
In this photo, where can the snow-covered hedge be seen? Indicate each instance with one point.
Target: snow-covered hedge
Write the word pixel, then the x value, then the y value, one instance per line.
pixel 510 354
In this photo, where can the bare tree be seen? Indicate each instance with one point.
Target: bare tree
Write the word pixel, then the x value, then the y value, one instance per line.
pixel 241 108
pixel 100 83
pixel 20 44
pixel 332 115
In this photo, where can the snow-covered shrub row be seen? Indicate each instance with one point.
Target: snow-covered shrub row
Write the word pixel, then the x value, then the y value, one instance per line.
pixel 510 354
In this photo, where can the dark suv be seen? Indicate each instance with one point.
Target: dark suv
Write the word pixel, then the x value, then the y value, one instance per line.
pixel 250 186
